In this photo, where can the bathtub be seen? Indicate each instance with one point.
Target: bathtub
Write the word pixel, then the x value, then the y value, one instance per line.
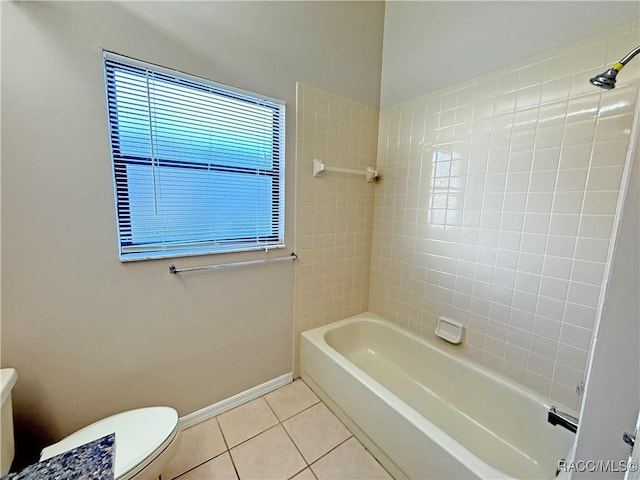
pixel 425 413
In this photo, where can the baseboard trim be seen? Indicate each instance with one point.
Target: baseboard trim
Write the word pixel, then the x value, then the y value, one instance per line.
pixel 211 411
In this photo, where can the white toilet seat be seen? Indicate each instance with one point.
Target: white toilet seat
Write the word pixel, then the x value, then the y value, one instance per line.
pixel 142 436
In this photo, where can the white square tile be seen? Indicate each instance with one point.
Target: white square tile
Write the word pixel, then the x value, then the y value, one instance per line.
pixel 541 181
pixel 550 308
pixel 572 180
pixel 561 246
pixel 592 249
pixel 572 357
pixel 576 156
pixel 555 90
pixel 609 153
pixel 519 181
pixel 527 282
pixel 504 277
pixel 537 223
pixel 513 222
pixel 552 115
pixel 291 399
pixel 547 327
pixel 530 263
pixel 567 202
pixel 501 295
pixel 576 336
pixel 582 109
pixel 519 338
pixel 246 421
pixel 271 454
pixel 546 158
pixel 515 202
pixel 548 137
pixel 567 376
pixel 600 203
pixel 557 267
pixel 315 431
pixel 198 444
pixel 543 345
pixel 525 301
pixel 613 128
pixel 584 294
pixel 588 272
pixel 579 133
pixel 509 240
pixel 516 355
pixel 596 226
pixel 533 243
pixel 605 178
pixel 522 319
pixel 540 365
pixel 539 202
pixel 563 224
pixel 350 461
pixel 554 288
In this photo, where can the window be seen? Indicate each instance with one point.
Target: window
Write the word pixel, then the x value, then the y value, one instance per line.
pixel 198 166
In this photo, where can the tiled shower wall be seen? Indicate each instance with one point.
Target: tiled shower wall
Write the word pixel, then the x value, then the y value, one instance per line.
pixel 334 211
pixel 496 207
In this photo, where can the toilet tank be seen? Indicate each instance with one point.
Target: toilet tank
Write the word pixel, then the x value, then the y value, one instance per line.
pixel 8 377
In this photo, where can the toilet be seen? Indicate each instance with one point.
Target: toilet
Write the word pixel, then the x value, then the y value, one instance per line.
pixel 145 440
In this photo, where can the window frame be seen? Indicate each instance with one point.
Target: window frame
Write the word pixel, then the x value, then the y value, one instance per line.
pixel 129 250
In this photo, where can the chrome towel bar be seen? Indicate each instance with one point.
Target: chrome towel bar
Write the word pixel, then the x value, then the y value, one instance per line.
pixel 173 269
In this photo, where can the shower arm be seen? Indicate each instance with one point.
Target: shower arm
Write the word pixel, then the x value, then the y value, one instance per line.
pixel 629 56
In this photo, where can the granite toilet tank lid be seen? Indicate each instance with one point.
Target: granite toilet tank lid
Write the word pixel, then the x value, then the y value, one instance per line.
pixel 141 435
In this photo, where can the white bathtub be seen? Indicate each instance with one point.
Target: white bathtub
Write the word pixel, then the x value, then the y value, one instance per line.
pixel 425 413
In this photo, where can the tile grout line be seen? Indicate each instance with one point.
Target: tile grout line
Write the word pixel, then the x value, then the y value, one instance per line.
pixel 281 423
pixel 228 450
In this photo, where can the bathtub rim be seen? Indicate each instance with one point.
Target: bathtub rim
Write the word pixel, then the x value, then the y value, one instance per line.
pixel 318 333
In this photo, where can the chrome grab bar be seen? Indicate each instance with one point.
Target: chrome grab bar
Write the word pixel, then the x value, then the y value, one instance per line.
pixel 556 417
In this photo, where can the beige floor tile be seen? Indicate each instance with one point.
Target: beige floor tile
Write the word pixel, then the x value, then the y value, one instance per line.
pixel 315 431
pixel 220 468
pixel 350 461
pixel 246 421
pixel 305 474
pixel 291 399
pixel 271 455
pixel 198 444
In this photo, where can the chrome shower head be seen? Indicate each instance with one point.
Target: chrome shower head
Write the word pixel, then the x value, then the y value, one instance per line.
pixel 607 80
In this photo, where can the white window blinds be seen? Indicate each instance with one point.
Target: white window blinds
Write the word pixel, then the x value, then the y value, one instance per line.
pixel 198 167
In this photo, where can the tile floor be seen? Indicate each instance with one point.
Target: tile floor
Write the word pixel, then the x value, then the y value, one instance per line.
pixel 286 434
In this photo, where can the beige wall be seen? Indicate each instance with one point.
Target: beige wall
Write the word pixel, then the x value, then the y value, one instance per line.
pixel 89 335
pixel 334 211
pixel 497 205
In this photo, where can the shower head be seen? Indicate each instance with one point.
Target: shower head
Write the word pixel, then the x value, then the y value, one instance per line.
pixel 607 80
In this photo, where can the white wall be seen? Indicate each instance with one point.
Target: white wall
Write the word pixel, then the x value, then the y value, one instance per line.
pixel 89 335
pixel 429 45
